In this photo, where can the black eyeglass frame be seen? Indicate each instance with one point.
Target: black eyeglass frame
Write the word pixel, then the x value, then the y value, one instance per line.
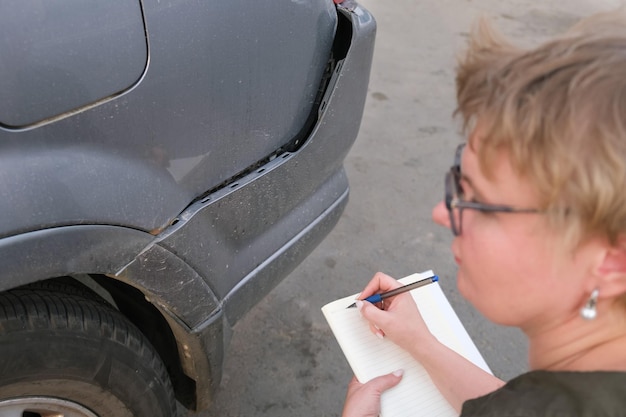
pixel 454 193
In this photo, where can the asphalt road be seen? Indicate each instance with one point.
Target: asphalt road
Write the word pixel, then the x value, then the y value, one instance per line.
pixel 283 360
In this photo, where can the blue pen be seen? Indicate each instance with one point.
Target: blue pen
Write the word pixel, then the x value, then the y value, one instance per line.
pixel 377 298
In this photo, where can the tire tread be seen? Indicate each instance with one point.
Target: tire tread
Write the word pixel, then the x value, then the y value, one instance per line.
pixel 31 310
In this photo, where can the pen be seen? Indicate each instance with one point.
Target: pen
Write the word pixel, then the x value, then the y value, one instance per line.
pixel 377 298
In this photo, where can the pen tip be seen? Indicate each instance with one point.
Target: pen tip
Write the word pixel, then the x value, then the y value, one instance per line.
pixel 352 305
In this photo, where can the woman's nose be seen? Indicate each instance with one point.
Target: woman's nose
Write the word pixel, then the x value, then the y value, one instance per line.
pixel 440 215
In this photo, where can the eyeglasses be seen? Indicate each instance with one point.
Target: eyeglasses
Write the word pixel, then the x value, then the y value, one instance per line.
pixel 454 195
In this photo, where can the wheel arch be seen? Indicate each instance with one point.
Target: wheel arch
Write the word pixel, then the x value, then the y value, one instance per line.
pixel 148 284
pixel 133 304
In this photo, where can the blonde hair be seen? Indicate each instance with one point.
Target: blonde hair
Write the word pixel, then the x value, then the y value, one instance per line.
pixel 559 112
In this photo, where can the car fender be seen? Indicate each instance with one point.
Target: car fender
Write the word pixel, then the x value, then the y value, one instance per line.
pixel 164 279
pixel 44 187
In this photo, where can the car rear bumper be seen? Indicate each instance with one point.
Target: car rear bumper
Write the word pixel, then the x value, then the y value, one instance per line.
pixel 264 224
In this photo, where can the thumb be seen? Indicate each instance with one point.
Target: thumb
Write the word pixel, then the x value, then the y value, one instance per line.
pixel 370 312
pixel 384 382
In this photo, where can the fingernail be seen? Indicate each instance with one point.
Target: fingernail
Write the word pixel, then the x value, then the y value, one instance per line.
pixel 380 335
pixel 399 372
pixel 359 304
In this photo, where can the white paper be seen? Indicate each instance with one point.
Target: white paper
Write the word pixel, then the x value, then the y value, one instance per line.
pixel 370 356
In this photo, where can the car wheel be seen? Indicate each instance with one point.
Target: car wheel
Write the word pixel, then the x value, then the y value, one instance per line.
pixel 70 355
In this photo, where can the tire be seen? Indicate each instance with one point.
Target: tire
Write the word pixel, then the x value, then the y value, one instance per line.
pixel 73 355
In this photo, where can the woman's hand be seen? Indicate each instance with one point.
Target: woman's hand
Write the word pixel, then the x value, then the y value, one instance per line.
pixel 399 320
pixel 363 400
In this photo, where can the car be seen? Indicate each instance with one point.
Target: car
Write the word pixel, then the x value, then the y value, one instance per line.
pixel 163 166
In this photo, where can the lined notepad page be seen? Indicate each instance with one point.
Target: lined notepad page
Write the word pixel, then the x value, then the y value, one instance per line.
pixel 370 356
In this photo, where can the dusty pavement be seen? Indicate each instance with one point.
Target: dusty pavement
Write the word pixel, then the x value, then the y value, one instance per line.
pixel 283 360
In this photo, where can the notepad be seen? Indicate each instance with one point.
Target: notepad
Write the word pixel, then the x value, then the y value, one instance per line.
pixel 370 356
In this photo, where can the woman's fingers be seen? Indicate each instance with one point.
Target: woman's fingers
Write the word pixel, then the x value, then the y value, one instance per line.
pixel 378 284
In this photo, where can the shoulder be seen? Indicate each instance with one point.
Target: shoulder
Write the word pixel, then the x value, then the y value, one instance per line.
pixel 544 393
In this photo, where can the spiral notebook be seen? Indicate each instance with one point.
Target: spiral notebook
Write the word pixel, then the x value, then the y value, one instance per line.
pixel 370 356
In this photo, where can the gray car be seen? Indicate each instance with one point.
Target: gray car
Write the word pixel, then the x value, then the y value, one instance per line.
pixel 163 165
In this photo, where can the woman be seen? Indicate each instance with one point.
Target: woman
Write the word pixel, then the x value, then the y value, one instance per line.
pixel 536 200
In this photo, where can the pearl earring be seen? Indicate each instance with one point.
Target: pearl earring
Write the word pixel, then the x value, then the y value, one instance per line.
pixel 589 312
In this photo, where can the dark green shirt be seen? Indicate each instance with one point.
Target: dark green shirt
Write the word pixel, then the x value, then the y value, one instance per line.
pixel 554 394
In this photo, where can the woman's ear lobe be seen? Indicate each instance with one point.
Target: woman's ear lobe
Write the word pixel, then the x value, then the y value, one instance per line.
pixel 611 272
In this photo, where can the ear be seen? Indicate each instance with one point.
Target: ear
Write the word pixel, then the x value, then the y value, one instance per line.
pixel 610 272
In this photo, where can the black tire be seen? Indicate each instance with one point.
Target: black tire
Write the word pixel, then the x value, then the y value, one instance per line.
pixel 70 350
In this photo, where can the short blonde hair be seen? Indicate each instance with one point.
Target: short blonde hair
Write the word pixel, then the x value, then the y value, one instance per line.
pixel 559 112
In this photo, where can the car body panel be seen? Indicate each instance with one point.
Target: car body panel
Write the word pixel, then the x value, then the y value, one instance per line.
pixel 187 136
pixel 170 188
